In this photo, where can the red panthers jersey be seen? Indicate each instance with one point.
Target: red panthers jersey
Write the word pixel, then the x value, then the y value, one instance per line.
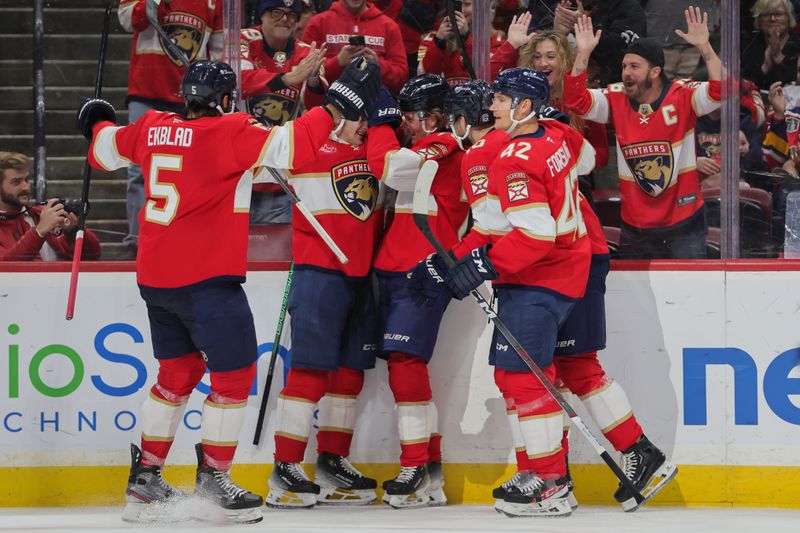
pixel 533 211
pixel 338 187
pixel 404 245
pixel 475 181
pixel 655 146
pixel 197 177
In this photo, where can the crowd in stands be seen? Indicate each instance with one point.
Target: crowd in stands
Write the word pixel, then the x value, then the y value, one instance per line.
pixel 412 37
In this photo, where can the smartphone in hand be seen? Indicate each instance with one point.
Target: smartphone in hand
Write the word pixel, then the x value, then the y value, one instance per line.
pixel 357 40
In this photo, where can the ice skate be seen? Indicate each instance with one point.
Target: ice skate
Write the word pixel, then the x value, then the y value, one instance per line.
pixel 290 488
pixel 647 467
pixel 148 497
pixel 436 489
pixel 409 489
pixel 237 504
pixel 499 493
pixel 534 496
pixel 341 483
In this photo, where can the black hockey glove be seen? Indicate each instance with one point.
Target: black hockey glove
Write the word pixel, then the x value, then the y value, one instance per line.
pixel 356 89
pixel 426 281
pixel 555 114
pixel 92 111
pixel 384 111
pixel 470 272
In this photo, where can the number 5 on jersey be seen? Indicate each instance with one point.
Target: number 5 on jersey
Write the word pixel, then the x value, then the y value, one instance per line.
pixel 161 190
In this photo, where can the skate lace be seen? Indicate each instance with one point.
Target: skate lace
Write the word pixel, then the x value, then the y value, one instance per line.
pixel 349 468
pixel 630 463
pixel 513 481
pixel 296 472
pixel 534 484
pixel 406 473
pixel 227 485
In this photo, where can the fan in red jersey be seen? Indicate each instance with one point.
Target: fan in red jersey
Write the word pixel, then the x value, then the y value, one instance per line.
pixel 192 261
pixel 662 207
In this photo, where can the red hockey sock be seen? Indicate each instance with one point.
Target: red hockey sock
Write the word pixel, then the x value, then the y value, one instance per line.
pixel 296 405
pixel 410 384
pixel 603 398
pixel 540 421
pixel 163 409
pixel 337 412
pixel 223 415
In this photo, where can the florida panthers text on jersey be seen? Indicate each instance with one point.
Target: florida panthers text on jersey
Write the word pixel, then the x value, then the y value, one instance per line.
pixel 404 245
pixel 198 176
pixel 655 146
pixel 532 210
pixel 340 190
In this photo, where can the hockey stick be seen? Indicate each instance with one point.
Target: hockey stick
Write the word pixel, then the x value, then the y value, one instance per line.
pixel 87 174
pixel 280 180
pixel 276 343
pixel 420 210
pixel 151 11
pixel 451 14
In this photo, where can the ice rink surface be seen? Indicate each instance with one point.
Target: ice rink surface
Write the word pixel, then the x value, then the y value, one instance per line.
pixel 378 519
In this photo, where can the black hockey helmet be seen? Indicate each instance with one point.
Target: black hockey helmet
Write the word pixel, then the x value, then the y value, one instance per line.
pixel 470 100
pixel 206 82
pixel 521 83
pixel 423 93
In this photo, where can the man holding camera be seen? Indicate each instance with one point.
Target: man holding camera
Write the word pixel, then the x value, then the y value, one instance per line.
pixel 353 28
pixel 30 232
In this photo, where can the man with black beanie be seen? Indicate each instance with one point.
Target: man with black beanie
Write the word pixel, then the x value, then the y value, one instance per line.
pixel 662 207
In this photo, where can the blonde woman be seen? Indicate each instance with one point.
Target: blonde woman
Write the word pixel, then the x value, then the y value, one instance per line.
pixel 771 54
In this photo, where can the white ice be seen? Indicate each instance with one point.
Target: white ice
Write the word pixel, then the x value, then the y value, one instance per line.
pixel 468 518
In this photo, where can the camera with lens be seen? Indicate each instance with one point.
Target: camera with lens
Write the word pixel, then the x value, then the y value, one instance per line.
pixel 71 205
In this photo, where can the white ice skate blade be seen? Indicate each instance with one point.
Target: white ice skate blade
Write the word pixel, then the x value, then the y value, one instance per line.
pixel 572 500
pixel 342 496
pixel 415 500
pixel 150 513
pixel 437 496
pixel 658 481
pixel 554 507
pixel 284 499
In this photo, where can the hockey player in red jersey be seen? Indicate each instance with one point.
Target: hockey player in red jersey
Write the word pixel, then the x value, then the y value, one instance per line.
pixel 193 257
pixel 662 206
pixel 539 257
pixel 334 324
pixel 410 330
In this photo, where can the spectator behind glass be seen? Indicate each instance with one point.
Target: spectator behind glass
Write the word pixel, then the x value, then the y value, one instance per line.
pixel 663 215
pixel 415 18
pixel 347 18
pixel 771 53
pixel 621 22
pixel 275 66
pixel 31 232
pixel 709 148
pixel 154 76
pixel 441 52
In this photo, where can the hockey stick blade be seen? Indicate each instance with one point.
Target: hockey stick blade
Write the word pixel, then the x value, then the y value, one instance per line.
pixel 309 216
pixel 419 208
pixel 151 11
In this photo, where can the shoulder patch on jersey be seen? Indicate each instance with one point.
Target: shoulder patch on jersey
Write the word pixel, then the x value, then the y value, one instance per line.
pixel 517 183
pixel 434 151
pixel 614 88
pixel 356 188
pixel 651 164
pixel 478 179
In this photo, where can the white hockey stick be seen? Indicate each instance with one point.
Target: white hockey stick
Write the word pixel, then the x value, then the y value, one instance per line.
pixel 309 216
pixel 420 209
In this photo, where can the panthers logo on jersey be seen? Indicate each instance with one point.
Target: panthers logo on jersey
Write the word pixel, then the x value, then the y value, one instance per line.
pixel 187 31
pixel 356 188
pixel 651 164
pixel 274 109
